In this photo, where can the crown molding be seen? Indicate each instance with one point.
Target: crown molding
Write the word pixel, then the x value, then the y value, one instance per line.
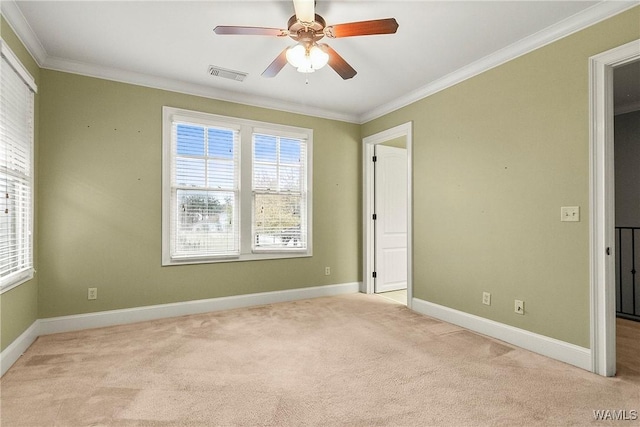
pixel 27 36
pixel 588 17
pixel 564 28
pixel 172 85
pixel 23 30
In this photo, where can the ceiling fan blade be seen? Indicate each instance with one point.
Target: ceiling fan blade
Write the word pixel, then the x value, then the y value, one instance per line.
pixel 339 65
pixel 305 10
pixel 278 64
pixel 362 28
pixel 250 31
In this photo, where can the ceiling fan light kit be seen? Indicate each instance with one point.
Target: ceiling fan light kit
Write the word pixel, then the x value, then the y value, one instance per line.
pixel 307 59
pixel 307 28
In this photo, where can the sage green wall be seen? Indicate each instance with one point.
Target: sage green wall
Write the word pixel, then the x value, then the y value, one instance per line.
pixel 19 306
pixel 100 202
pixel 495 157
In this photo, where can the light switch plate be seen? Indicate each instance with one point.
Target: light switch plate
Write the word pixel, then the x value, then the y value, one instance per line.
pixel 570 213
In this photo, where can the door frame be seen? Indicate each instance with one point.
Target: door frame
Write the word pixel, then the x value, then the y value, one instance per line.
pixel 368 187
pixel 602 204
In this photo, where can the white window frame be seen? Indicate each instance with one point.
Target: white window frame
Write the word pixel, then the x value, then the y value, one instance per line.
pixel 27 272
pixel 245 210
pixel 280 135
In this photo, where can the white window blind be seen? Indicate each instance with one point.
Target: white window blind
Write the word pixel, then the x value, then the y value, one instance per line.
pixel 279 193
pixel 234 189
pixel 16 171
pixel 205 190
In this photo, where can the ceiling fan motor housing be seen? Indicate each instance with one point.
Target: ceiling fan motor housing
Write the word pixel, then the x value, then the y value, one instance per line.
pixel 304 32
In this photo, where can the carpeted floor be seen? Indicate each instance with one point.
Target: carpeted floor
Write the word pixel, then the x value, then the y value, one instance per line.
pixel 355 360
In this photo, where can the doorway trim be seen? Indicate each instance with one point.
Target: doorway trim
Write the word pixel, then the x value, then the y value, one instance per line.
pixel 368 248
pixel 602 204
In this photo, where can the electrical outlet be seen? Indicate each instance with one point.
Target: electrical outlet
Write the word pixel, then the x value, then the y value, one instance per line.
pixel 92 293
pixel 486 298
pixel 327 271
pixel 519 307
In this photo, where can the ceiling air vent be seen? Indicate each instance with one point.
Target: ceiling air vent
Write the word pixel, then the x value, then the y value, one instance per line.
pixel 227 74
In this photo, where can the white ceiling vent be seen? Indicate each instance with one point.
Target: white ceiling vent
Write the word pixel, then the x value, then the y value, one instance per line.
pixel 227 74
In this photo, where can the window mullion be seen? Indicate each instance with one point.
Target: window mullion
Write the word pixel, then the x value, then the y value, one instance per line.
pixel 206 157
pixel 245 189
pixel 277 164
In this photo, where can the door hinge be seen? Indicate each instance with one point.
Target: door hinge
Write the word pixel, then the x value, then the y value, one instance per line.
pixel 375 274
pixel 375 216
pixel 375 158
pixel 608 251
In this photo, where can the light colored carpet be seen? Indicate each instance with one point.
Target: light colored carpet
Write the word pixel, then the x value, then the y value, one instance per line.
pixel 355 360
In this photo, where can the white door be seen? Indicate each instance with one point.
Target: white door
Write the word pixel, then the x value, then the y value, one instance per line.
pixel 391 218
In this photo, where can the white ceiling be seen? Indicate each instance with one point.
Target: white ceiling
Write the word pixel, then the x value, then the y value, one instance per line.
pixel 170 44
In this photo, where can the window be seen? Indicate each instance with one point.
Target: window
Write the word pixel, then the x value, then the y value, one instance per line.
pixel 234 189
pixel 279 196
pixel 204 190
pixel 16 171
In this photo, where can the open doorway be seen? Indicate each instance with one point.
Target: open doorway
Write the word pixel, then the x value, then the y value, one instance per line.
pixel 603 213
pixel 387 243
pixel 626 123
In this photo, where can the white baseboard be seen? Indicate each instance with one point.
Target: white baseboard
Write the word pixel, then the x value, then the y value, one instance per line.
pixel 550 347
pixel 101 319
pixel 12 353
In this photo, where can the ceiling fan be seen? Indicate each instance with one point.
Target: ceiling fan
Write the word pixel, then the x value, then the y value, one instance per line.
pixel 307 28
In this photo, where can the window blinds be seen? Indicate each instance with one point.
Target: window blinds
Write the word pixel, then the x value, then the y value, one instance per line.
pixel 205 191
pixel 16 142
pixel 279 193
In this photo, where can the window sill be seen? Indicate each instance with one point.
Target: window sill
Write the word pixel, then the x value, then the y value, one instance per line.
pixel 18 280
pixel 257 256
